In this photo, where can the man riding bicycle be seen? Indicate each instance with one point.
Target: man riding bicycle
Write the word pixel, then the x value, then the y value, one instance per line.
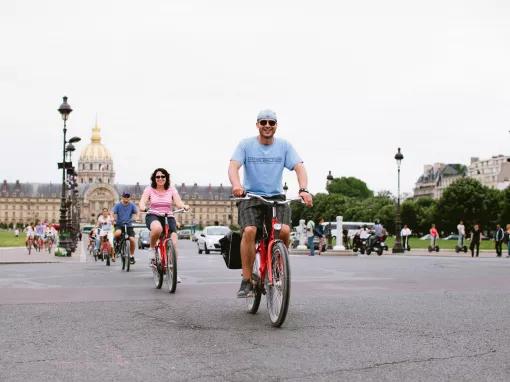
pixel 123 213
pixel 264 158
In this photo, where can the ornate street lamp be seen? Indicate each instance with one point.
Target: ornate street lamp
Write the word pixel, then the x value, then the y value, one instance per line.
pixel 397 247
pixel 64 237
pixel 329 237
pixel 329 179
pixel 285 188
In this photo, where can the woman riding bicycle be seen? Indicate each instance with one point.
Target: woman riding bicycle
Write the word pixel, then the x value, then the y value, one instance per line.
pixel 105 223
pixel 159 200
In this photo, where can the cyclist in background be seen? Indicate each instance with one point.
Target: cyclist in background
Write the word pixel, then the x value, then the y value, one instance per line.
pixel 123 213
pixel 105 223
pixel 29 229
pixel 264 157
pixel 40 229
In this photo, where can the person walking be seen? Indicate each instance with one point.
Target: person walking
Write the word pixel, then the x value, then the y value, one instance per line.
pixel 498 239
pixel 507 238
pixel 475 240
pixel 405 234
pixel 319 232
pixel 461 230
pixel 310 233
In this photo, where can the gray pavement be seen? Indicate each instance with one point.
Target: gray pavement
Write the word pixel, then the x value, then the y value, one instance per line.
pixel 365 318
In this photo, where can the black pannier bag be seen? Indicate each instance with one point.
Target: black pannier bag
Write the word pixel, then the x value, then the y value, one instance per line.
pixel 231 250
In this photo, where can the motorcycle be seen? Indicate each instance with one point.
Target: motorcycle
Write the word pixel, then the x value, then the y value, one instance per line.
pixel 359 244
pixel 377 245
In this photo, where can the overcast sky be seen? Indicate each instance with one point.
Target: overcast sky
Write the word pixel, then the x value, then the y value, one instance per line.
pixel 178 83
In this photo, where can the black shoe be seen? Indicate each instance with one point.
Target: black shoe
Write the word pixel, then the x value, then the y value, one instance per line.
pixel 132 260
pixel 246 289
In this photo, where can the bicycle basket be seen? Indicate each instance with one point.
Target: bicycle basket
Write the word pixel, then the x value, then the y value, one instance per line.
pixel 231 250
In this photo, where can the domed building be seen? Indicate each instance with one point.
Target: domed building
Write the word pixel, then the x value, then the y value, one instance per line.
pixel 23 203
pixel 95 164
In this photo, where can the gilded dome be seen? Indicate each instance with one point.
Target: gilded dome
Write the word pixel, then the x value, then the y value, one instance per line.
pixel 95 150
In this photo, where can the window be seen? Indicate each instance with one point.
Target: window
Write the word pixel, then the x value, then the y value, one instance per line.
pixel 90 166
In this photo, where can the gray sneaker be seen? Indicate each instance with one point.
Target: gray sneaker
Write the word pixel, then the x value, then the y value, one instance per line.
pixel 246 289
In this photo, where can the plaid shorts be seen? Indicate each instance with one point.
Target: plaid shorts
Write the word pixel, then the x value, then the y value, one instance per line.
pixel 253 212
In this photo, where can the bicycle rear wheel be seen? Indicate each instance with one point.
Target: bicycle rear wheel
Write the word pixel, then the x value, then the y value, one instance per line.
pixel 171 267
pixel 120 248
pixel 253 301
pixel 278 294
pixel 127 252
pixel 157 272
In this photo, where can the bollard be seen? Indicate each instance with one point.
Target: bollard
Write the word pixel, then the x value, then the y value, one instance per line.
pixel 339 237
pixel 301 232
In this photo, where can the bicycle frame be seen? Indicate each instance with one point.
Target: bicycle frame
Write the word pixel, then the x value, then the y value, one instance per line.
pixel 162 243
pixel 265 249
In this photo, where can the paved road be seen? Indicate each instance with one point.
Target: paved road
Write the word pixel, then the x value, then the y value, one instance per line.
pixel 351 318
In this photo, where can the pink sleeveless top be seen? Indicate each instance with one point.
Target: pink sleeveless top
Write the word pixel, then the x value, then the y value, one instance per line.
pixel 160 203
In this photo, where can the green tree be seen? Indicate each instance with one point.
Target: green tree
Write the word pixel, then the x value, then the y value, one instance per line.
pixel 350 187
pixel 504 217
pixel 468 200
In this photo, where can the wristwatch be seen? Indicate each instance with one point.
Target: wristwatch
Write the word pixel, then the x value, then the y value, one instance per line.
pixel 303 190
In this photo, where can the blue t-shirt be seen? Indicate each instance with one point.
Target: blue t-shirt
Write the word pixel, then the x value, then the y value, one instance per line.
pixel 263 164
pixel 124 213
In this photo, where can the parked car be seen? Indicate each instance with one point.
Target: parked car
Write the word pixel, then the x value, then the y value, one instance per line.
pixel 184 234
pixel 144 239
pixel 86 229
pixel 209 239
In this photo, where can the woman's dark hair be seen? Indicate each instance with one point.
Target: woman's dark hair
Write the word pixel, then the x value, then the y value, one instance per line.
pixel 167 179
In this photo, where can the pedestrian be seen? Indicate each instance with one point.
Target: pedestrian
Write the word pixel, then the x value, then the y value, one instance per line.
pixel 461 230
pixel 475 240
pixel 498 239
pixel 434 236
pixel 16 232
pixel 406 234
pixel 507 238
pixel 319 232
pixel 310 229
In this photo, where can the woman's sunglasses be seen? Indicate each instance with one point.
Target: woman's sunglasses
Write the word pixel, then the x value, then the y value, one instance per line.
pixel 263 122
pixel 160 177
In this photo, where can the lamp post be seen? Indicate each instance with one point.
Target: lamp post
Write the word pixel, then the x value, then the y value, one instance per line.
pixel 72 203
pixel 397 247
pixel 64 239
pixel 329 237
pixel 285 188
pixel 329 179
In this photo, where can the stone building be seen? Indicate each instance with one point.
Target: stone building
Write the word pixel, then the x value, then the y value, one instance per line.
pixel 436 178
pixel 493 172
pixel 22 203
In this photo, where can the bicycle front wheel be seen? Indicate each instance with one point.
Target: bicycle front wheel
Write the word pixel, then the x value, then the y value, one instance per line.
pixel 171 267
pixel 278 294
pixel 127 252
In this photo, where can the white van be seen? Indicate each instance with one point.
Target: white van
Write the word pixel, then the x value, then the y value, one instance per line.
pixel 351 227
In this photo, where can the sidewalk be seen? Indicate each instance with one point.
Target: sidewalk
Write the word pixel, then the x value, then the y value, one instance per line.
pixel 19 255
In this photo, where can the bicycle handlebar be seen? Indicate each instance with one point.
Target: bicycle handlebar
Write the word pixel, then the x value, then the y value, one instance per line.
pixel 180 210
pixel 249 196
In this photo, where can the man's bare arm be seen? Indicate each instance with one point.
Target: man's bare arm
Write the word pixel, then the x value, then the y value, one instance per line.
pixel 233 176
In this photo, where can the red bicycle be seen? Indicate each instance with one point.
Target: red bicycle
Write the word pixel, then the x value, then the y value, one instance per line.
pixel 30 244
pixel 271 269
pixel 165 262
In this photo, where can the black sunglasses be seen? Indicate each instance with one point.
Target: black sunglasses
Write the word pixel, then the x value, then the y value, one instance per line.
pixel 264 122
pixel 160 177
